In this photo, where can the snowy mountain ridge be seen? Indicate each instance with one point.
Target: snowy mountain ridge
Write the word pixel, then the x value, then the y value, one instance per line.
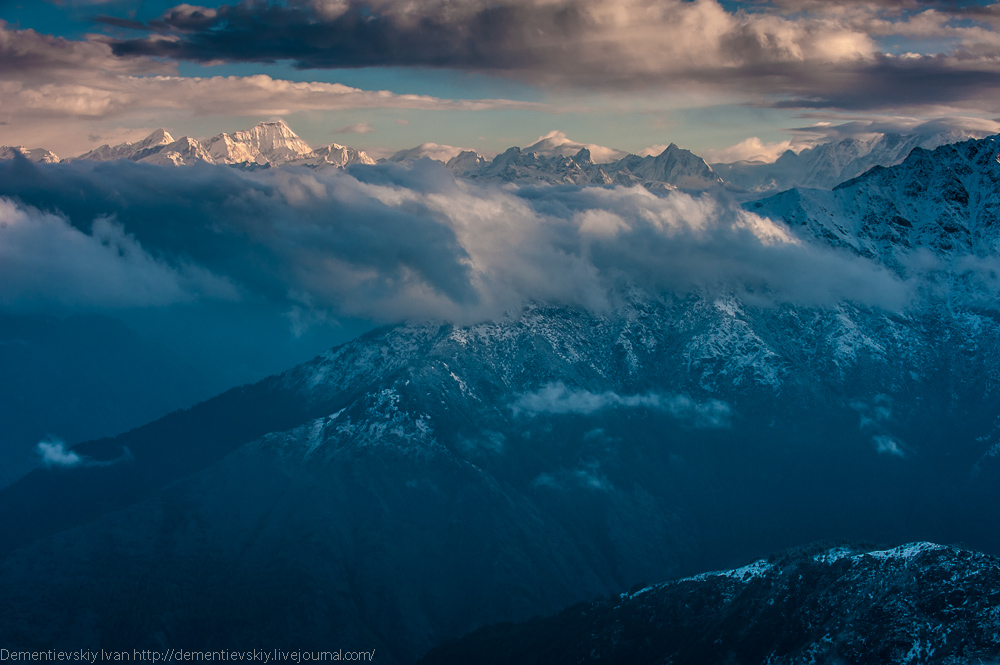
pixel 38 155
pixel 937 205
pixel 674 168
pixel 265 144
pixel 827 165
pixel 554 159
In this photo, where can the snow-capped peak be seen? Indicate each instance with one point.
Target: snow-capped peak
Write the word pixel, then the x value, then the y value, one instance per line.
pixel 40 155
pixel 156 137
pixel 133 151
pixel 435 151
pixel 557 144
pixel 265 143
pixel 337 155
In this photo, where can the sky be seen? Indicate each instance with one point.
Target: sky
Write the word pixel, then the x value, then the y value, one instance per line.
pixel 727 80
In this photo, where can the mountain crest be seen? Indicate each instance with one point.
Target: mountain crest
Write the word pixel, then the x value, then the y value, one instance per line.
pixel 267 142
pixel 156 137
pixel 38 155
pixel 270 143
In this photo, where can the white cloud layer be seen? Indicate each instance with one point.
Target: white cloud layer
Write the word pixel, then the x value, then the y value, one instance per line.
pixel 393 242
pixel 44 262
pixel 750 150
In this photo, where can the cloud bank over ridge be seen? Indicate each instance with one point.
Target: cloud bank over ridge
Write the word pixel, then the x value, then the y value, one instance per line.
pixel 390 242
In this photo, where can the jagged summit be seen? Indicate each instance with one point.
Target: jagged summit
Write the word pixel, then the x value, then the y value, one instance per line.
pixel 674 165
pixel 265 143
pixel 271 143
pixel 334 154
pixel 942 201
pixel 156 137
pixel 552 159
pixel 557 144
pixel 826 166
pixel 131 151
pixel 40 155
pixel 673 168
pixel 466 162
pixel 435 151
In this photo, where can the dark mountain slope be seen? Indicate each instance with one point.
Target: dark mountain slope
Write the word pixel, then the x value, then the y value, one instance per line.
pixel 916 604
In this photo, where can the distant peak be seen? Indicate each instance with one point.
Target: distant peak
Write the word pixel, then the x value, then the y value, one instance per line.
pixel 158 136
pixel 280 125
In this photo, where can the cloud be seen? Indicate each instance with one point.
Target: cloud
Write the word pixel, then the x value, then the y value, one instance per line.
pixel 26 55
pixel 957 126
pixel 256 95
pixel 887 445
pixel 54 453
pixel 392 242
pixel 584 41
pixel 803 55
pixel 751 150
pixel 52 88
pixel 875 413
pixel 875 416
pixel 557 398
pixel 587 477
pixel 356 128
pixel 556 143
pixel 435 151
pixel 45 261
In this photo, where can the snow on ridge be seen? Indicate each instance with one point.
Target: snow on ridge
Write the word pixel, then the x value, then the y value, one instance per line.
pixel 907 551
pixel 901 552
pixel 743 574
pixel 265 144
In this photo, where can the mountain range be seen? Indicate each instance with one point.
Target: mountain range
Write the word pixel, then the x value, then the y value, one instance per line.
pixel 553 159
pixel 266 144
pixel 429 478
pixel 827 165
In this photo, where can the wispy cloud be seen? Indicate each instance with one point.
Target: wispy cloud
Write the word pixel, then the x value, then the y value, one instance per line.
pixel 559 399
pixel 356 128
pixel 54 453
pixel 46 262
pixel 751 149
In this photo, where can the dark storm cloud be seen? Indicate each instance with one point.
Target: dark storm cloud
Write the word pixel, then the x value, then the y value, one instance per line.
pixel 43 58
pixel 891 83
pixel 390 242
pixel 809 55
pixel 490 39
pixel 130 24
